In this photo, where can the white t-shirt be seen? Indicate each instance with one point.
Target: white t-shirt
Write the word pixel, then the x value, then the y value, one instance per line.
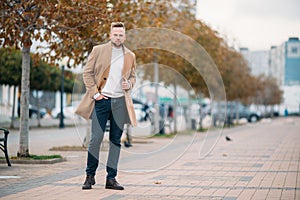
pixel 113 86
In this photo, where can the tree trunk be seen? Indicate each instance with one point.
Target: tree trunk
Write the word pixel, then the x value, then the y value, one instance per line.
pixel 229 117
pixel 175 109
pixel 272 111
pixel 189 112
pixel 237 114
pixel 24 121
pixel 200 116
pixel 38 109
pixel 13 109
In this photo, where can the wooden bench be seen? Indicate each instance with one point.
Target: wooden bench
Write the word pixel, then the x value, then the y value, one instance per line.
pixel 3 144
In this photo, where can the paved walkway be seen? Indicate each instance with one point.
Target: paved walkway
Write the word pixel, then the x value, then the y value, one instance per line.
pixel 261 162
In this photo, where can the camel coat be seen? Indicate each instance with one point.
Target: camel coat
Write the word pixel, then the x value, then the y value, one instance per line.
pixel 95 76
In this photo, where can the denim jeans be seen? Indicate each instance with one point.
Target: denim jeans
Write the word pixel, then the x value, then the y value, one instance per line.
pixel 113 109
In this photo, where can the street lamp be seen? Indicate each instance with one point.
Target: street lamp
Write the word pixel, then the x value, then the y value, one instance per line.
pixel 61 121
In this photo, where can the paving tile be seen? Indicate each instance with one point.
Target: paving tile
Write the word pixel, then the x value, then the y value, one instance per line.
pixel 233 192
pixel 279 180
pixel 291 180
pixel 274 194
pixel 220 192
pixel 288 194
pixel 260 194
pixel 246 168
pixel 246 194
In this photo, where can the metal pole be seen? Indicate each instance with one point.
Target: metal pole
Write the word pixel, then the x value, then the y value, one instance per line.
pixel 156 103
pixel 61 121
pixel 175 108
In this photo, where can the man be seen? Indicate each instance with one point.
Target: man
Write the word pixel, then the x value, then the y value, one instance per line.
pixel 108 77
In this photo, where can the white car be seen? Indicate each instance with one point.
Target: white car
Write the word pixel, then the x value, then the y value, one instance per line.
pixel 139 113
pixel 68 112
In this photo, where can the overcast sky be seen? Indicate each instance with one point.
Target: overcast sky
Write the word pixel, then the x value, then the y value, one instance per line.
pixel 256 24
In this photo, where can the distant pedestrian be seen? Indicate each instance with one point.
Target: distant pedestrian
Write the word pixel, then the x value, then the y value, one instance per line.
pixel 170 112
pixel 146 110
pixel 170 115
pixel 286 112
pixel 162 118
pixel 108 76
pixel 162 111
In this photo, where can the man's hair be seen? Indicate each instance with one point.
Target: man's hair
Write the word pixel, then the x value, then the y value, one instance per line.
pixel 117 25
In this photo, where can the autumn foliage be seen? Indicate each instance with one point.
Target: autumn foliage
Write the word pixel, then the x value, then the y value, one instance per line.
pixel 70 28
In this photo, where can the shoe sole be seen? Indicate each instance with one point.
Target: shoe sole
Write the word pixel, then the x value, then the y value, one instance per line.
pixel 86 188
pixel 113 188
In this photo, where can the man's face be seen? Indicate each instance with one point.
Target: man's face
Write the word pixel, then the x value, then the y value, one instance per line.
pixel 117 36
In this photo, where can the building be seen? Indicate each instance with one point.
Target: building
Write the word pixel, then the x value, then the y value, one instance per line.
pixel 276 63
pixel 292 62
pixel 258 61
pixel 283 63
pixel 291 85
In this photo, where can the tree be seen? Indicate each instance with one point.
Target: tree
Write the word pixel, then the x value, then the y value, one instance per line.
pixel 69 29
pixel 57 23
pixel 10 70
pixel 268 92
pixel 10 66
pixel 42 77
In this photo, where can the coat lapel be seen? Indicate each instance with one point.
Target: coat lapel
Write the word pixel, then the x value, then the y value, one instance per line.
pixel 127 65
pixel 103 62
pixel 107 56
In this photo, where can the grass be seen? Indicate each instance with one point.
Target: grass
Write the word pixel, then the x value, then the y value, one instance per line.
pixel 202 129
pixel 35 157
pixel 68 148
pixel 170 135
pixel 159 135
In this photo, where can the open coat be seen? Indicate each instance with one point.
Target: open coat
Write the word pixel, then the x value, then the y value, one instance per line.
pixel 95 75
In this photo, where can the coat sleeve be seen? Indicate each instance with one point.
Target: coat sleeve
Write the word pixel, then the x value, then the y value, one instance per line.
pixel 132 76
pixel 89 74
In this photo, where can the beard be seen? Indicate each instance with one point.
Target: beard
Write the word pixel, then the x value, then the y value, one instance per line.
pixel 117 45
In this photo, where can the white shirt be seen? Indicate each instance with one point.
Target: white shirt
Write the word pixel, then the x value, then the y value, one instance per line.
pixel 113 86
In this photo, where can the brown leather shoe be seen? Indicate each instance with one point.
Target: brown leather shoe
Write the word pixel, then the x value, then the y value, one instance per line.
pixel 89 181
pixel 113 184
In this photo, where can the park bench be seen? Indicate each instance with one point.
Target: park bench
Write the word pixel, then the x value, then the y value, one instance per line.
pixel 3 144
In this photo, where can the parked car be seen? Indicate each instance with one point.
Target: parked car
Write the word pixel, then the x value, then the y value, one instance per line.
pixel 67 110
pixel 142 112
pixel 33 112
pixel 222 111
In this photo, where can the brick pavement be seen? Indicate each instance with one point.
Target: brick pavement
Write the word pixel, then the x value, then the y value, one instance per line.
pixel 261 162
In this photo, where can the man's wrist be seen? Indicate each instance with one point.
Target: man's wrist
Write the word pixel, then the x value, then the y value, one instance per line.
pixel 129 84
pixel 97 95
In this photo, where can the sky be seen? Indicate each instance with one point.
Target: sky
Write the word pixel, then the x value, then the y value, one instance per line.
pixel 255 24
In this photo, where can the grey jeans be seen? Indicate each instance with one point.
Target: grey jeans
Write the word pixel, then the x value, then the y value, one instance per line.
pixel 113 109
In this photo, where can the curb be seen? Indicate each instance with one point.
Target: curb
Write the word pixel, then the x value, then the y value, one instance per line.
pixel 48 161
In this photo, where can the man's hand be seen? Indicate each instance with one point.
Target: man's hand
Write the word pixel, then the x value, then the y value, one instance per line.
pixel 125 84
pixel 101 97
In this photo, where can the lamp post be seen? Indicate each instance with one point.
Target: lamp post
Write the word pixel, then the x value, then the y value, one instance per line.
pixel 61 121
pixel 156 103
